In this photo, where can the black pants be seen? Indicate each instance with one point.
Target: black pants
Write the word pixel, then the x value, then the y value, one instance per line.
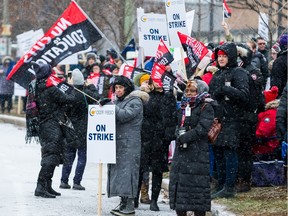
pixel 45 175
pixel 3 99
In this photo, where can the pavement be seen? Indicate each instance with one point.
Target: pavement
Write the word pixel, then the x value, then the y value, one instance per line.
pixel 216 209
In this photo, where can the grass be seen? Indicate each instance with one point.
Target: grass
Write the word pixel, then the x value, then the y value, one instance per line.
pixel 264 201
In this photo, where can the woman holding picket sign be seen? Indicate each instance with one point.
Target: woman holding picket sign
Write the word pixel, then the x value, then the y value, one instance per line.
pixel 189 187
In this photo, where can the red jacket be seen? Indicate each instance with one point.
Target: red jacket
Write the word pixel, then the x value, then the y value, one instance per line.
pixel 266 130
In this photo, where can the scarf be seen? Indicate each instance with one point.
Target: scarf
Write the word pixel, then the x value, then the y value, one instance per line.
pixel 32 121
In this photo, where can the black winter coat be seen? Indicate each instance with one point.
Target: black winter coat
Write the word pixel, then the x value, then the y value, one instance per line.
pixel 50 102
pixel 78 112
pixel 158 129
pixel 281 116
pixel 231 99
pixel 279 71
pixel 189 186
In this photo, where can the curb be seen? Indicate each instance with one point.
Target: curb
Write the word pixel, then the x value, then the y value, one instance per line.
pixel 19 121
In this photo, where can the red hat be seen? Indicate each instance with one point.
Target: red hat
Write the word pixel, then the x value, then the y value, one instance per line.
pixel 271 94
pixel 221 52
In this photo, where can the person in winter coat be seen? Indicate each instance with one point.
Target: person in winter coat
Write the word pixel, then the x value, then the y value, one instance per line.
pixel 78 114
pixel 158 131
pixel 6 86
pixel 267 142
pixel 91 58
pixel 52 126
pixel 123 177
pixel 189 186
pixel 230 87
pixel 279 68
pixel 281 126
pixel 249 121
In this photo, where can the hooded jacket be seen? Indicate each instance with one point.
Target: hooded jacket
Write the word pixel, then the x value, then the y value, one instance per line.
pixel 231 99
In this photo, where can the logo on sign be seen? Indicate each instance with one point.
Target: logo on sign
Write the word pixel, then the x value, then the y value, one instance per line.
pixel 168 3
pixel 144 18
pixel 92 111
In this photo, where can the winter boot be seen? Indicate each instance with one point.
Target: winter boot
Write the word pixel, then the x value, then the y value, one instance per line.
pixel 136 202
pixel 64 185
pixel 144 198
pixel 78 187
pixel 121 206
pixel 51 190
pixel 42 192
pixel 129 208
pixel 154 206
pixel 244 186
pixel 226 192
pixel 181 213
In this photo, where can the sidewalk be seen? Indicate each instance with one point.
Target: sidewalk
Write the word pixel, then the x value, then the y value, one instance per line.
pixel 216 210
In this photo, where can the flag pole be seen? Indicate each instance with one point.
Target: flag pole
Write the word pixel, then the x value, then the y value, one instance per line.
pixel 86 95
pixel 102 34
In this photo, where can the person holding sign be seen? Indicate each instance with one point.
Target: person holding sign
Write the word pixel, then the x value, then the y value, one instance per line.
pixel 123 176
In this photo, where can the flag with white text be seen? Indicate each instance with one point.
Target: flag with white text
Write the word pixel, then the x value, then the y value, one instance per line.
pixel 163 55
pixel 72 32
pixel 194 49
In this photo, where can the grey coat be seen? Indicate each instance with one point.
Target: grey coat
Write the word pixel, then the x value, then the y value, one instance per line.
pixel 124 175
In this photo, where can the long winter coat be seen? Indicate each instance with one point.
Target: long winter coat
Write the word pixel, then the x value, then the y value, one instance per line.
pixel 158 130
pixel 78 112
pixel 279 71
pixel 230 111
pixel 50 102
pixel 189 186
pixel 123 176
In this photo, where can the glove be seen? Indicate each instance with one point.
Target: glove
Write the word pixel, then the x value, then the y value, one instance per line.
pixel 104 101
pixel 226 89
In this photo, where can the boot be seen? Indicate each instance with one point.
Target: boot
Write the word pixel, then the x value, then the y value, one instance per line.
pixel 51 190
pixel 181 213
pixel 154 206
pixel 144 198
pixel 42 192
pixel 136 202
pixel 129 208
pixel 121 206
pixel 226 192
pixel 244 186
pixel 64 185
pixel 199 213
pixel 78 187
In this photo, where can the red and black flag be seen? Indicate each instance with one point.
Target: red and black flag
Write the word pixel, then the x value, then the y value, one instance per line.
pixel 72 32
pixel 226 10
pixel 156 74
pixel 195 50
pixel 168 80
pixel 130 71
pixel 163 55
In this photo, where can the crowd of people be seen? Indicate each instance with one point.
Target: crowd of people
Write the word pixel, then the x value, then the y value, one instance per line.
pixel 234 82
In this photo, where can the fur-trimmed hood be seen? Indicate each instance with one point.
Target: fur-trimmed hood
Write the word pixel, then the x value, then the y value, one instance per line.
pixel 141 94
pixel 272 104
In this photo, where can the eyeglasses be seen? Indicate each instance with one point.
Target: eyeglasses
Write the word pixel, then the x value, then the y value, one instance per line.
pixel 261 43
pixel 190 90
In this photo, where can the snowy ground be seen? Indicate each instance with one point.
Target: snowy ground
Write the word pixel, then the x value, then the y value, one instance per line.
pixel 20 164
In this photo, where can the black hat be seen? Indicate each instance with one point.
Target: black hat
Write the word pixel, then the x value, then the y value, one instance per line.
pixel 123 81
pixel 42 71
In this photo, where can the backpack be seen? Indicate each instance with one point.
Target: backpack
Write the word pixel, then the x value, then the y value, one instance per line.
pixel 32 120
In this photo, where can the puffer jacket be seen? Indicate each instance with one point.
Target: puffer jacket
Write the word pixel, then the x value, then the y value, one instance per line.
pixel 231 99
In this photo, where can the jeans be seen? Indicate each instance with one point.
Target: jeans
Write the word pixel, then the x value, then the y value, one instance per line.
pixel 227 165
pixel 70 154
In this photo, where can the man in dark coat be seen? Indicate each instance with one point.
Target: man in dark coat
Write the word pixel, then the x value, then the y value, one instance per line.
pixel 279 68
pixel 230 87
pixel 49 100
pixel 78 114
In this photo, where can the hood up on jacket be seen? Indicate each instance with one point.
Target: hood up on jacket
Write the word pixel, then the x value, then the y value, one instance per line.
pixel 231 51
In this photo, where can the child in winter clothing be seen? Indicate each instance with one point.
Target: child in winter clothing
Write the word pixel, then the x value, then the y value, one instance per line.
pixel 267 142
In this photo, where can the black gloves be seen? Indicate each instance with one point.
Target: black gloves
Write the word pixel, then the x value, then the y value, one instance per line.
pixel 104 101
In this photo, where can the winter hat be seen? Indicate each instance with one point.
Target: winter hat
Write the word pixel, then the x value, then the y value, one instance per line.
pixel 42 71
pixel 144 78
pixel 123 81
pixel 77 76
pixel 283 40
pixel 201 86
pixel 221 52
pixel 271 94
pixel 112 67
pixel 137 77
pixel 91 55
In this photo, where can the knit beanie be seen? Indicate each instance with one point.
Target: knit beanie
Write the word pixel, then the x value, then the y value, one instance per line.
pixel 201 86
pixel 77 76
pixel 276 48
pixel 42 71
pixel 271 94
pixel 283 40
pixel 144 78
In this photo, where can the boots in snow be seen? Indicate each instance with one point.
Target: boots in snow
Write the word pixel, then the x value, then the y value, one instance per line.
pixel 51 190
pixel 144 194
pixel 42 192
pixel 154 206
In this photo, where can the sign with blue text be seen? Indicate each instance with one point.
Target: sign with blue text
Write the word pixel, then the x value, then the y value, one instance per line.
pixel 151 28
pixel 176 20
pixel 101 134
